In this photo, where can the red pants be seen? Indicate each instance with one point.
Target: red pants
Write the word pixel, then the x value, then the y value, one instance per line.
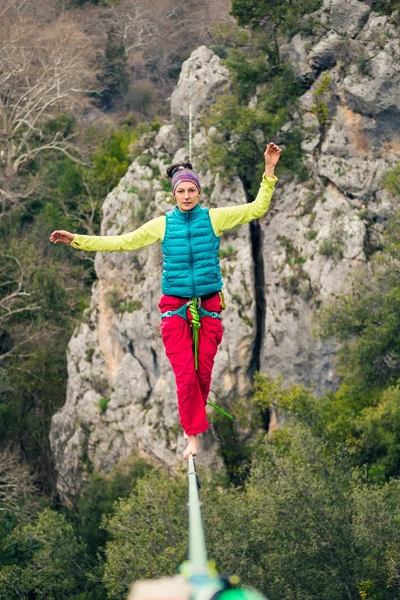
pixel 192 386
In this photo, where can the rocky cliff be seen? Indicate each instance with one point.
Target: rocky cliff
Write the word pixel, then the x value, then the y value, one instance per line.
pixel 121 393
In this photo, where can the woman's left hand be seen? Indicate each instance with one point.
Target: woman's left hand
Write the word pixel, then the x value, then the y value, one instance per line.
pixel 272 155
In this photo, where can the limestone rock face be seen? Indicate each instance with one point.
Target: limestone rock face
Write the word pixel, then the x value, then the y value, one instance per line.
pixel 347 16
pixel 376 92
pixel 209 77
pixel 319 231
pixel 295 52
pixel 121 391
pixel 326 53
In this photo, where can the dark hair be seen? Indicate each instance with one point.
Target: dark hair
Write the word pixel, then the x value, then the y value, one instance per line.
pixel 174 168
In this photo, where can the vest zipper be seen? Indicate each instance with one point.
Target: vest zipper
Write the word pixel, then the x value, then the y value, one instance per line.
pixel 191 257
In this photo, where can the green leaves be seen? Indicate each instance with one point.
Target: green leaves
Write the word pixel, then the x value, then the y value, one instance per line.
pixel 245 123
pixel 112 159
pixel 368 321
pixel 97 501
pixel 148 533
pixel 282 14
pixel 50 561
pixel 304 526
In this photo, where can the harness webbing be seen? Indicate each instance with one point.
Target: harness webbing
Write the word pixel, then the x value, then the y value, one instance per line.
pixel 197 312
pixel 195 332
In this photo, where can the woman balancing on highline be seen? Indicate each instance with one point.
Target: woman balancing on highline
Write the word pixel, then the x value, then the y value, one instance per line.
pixel 191 281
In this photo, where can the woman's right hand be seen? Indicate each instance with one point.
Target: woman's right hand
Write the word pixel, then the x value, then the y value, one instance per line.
pixel 62 236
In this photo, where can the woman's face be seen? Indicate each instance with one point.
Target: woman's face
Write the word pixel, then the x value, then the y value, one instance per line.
pixel 186 196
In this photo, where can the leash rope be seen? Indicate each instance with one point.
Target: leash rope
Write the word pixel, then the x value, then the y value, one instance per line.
pixel 190 109
pixel 195 330
pixel 221 410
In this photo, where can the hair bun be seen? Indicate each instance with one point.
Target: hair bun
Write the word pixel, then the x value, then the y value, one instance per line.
pixel 178 167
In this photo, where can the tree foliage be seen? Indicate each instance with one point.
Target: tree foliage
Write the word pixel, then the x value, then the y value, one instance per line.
pixel 48 562
pixel 367 321
pixel 303 526
pixel 262 99
pixel 366 427
pixel 44 289
pixel 43 69
pixel 114 75
pixel 148 533
pixel 282 15
pixel 96 502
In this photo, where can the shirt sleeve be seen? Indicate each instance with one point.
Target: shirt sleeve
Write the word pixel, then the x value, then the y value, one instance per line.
pixel 228 217
pixel 145 235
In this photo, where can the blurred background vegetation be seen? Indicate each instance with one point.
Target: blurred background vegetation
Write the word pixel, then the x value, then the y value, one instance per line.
pixel 308 511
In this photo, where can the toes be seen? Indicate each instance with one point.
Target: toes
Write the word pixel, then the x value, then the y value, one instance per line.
pixel 189 450
pixel 195 449
pixel 192 447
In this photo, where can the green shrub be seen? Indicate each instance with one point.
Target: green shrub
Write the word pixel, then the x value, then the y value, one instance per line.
pixel 367 321
pixel 47 555
pixel 130 306
pixel 330 249
pixel 392 181
pixel 279 17
pixel 147 533
pixel 112 159
pixel 103 403
pixel 228 252
pixel 139 98
pixel 321 96
pixel 97 500
pixel 242 132
pixel 144 160
pixel 113 299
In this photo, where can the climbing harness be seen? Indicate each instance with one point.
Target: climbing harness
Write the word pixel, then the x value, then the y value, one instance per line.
pixel 197 312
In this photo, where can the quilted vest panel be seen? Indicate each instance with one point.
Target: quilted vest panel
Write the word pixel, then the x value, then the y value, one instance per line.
pixel 190 248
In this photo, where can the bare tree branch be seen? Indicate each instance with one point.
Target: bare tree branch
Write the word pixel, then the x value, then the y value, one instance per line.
pixel 43 69
pixel 16 483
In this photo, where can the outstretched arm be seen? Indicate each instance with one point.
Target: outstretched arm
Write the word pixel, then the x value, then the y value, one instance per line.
pixel 147 234
pixel 229 217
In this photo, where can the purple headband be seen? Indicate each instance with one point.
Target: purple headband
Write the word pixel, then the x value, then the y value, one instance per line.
pixel 185 175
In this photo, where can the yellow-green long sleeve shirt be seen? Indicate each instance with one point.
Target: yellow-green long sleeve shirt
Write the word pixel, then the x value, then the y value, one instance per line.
pixel 153 231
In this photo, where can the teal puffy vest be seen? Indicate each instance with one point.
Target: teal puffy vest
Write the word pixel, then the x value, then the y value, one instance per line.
pixel 190 248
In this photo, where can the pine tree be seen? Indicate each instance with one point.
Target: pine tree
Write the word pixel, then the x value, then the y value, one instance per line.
pixel 114 76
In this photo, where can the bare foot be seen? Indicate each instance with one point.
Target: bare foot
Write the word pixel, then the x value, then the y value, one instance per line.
pixel 192 447
pixel 185 435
